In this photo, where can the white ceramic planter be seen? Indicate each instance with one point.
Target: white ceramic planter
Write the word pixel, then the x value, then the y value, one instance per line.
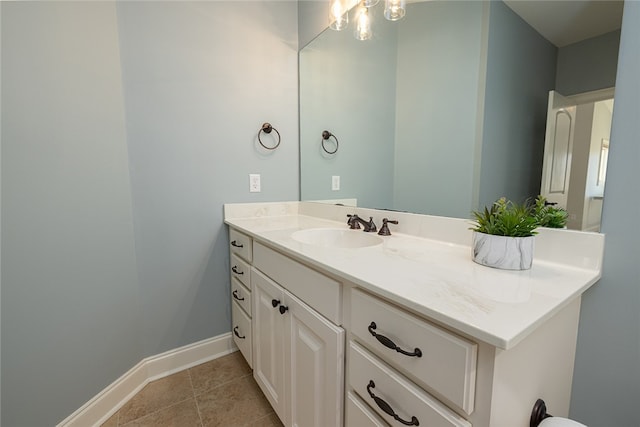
pixel 507 253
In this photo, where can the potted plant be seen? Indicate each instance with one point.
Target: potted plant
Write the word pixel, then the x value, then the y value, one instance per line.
pixel 548 215
pixel 503 235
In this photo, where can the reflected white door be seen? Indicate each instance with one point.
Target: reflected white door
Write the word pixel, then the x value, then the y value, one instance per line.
pixel 556 168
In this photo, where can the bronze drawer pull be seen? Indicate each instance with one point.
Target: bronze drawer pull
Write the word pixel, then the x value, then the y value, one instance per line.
pixel 234 243
pixel 390 344
pixel 235 331
pixel 235 295
pixel 388 409
pixel 235 270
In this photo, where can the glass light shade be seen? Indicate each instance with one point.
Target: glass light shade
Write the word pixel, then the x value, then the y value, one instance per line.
pixel 338 14
pixel 369 3
pixel 394 9
pixel 363 24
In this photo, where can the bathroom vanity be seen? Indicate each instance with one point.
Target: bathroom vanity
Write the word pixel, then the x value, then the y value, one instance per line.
pixel 349 328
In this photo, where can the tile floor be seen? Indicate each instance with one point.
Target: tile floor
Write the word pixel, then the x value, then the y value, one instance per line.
pixel 221 392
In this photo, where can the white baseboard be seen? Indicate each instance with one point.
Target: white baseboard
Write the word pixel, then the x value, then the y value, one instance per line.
pixel 106 403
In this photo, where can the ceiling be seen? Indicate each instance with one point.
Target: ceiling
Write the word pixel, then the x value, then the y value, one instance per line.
pixel 564 22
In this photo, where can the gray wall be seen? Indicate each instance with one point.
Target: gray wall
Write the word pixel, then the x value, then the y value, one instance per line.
pixel 521 69
pixel 606 386
pixel 588 65
pixel 436 107
pixel 125 127
pixel 70 300
pixel 313 18
pixel 199 80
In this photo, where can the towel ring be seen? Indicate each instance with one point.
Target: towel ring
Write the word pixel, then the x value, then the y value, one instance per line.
pixel 267 128
pixel 325 136
pixel 538 413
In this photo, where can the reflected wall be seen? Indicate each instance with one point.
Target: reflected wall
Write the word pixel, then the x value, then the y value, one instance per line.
pixel 422 123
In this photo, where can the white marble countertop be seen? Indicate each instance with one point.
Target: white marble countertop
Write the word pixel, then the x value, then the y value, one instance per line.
pixel 435 278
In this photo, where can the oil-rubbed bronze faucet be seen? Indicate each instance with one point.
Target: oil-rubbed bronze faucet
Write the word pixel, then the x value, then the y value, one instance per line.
pixel 354 222
pixel 384 230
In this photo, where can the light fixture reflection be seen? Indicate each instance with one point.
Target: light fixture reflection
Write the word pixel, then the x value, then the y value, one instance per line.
pixel 394 9
pixel 363 24
pixel 338 14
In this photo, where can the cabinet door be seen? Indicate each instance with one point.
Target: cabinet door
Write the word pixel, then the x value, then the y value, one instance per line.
pixel 315 355
pixel 268 340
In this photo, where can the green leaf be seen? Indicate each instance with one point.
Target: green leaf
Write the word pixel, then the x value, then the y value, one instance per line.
pixel 506 218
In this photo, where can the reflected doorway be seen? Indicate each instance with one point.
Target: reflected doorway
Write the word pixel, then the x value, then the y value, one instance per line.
pixel 575 155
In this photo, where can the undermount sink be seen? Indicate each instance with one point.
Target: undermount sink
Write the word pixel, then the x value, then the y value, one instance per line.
pixel 336 238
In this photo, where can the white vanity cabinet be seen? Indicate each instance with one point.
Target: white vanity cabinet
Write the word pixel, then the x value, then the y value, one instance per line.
pixel 297 344
pixel 429 334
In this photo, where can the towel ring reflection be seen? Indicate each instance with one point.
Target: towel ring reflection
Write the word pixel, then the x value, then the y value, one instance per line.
pixel 267 128
pixel 325 136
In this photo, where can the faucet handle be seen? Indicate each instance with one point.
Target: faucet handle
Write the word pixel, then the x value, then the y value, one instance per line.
pixel 384 230
pixel 352 222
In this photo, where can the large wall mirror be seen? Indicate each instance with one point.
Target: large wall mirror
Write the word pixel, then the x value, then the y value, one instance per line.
pixel 445 110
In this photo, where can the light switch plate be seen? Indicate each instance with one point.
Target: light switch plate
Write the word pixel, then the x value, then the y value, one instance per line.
pixel 335 182
pixel 254 183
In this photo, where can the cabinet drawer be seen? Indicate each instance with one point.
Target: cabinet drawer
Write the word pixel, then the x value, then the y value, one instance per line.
pixel 447 365
pixel 240 270
pixel 241 295
pixel 240 244
pixel 242 332
pixel 369 377
pixel 315 289
pixel 358 414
